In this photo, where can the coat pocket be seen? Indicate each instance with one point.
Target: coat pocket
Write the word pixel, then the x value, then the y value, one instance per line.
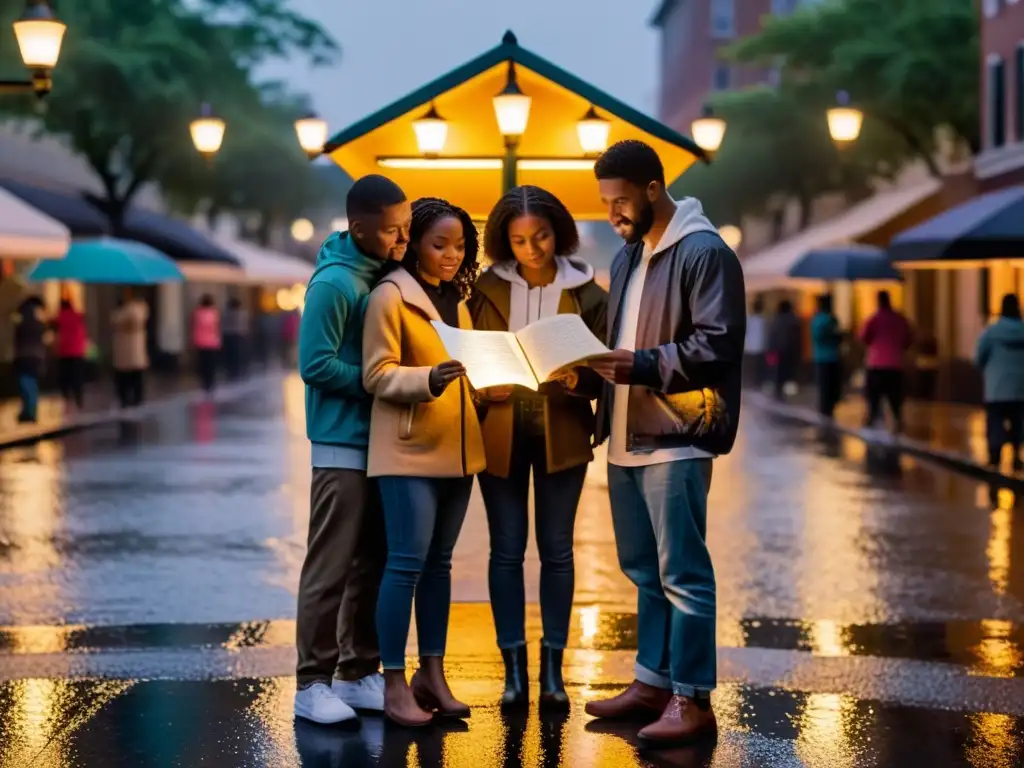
pixel 698 413
pixel 406 421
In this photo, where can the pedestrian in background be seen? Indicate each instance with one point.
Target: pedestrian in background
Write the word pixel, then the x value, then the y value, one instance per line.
pixel 289 335
pixel 29 355
pixel 130 349
pixel 425 448
pixel 72 344
pixel 1000 356
pixel 887 336
pixel 755 346
pixel 785 348
pixel 236 339
pixel 530 237
pixel 826 339
pixel 207 341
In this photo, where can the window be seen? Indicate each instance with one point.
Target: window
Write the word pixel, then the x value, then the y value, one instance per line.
pixel 991 7
pixel 723 18
pixel 996 102
pixel 722 79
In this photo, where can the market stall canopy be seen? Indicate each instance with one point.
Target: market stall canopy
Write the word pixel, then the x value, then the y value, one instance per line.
pixel 769 268
pixel 845 263
pixel 69 207
pixel 109 261
pixel 549 151
pixel 27 233
pixel 989 227
pixel 262 266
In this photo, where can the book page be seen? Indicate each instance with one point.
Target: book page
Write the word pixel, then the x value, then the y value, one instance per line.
pixel 491 358
pixel 558 342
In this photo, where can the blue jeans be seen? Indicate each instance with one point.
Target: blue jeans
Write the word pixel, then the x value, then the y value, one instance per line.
pixel 659 513
pixel 422 520
pixel 556 497
pixel 28 390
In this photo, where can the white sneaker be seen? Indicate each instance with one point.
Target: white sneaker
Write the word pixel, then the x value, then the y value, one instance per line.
pixel 318 704
pixel 366 693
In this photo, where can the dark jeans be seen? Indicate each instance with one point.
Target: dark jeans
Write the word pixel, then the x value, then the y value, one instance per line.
pixel 71 379
pixel 756 368
pixel 27 372
pixel 556 497
pixel 130 387
pixel 884 384
pixel 335 632
pixel 785 372
pixel 235 355
pixel 830 386
pixel 207 360
pixel 422 518
pixel 1005 424
pixel 659 514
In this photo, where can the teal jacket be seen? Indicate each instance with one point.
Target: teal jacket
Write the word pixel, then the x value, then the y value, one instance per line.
pixel 1000 355
pixel 331 343
pixel 825 338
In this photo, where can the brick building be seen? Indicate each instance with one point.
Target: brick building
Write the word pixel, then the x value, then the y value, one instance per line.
pixel 1001 161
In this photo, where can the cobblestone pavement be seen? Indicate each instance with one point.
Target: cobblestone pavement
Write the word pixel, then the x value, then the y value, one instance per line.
pixel 870 607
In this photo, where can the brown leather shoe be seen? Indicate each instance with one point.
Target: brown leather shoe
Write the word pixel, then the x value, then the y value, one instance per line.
pixel 639 701
pixel 682 722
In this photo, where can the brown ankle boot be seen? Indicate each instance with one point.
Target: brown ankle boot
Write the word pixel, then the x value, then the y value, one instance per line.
pixel 639 701
pixel 399 703
pixel 430 687
pixel 684 721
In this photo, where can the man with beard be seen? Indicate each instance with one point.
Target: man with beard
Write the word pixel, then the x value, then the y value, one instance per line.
pixel 339 659
pixel 677 321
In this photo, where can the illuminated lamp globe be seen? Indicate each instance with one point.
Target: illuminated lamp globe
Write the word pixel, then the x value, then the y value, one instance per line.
pixel 708 131
pixel 207 132
pixel 303 230
pixel 39 34
pixel 312 133
pixel 431 132
pixel 593 131
pixel 844 121
pixel 512 107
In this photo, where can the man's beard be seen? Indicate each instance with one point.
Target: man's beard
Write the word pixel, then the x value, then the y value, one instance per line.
pixel 643 224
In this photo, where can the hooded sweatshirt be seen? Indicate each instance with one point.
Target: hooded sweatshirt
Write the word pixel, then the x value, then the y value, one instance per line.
pixel 528 305
pixel 331 352
pixel 688 219
pixel 1000 355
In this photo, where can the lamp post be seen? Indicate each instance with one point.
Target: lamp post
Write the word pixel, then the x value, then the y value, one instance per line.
pixel 512 109
pixel 39 34
pixel 708 130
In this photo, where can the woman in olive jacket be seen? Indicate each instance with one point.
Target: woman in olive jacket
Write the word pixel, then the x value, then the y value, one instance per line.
pixel 530 237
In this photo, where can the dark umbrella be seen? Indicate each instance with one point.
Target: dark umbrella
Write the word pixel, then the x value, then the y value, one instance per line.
pixel 845 263
pixel 989 226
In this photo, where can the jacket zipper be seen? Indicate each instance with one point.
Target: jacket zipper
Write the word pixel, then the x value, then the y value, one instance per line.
pixel 462 415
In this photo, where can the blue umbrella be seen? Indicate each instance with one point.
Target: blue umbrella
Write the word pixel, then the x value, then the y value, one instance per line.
pixel 110 261
pixel 845 263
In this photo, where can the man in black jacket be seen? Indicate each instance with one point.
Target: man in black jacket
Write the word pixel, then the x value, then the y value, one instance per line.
pixel 677 321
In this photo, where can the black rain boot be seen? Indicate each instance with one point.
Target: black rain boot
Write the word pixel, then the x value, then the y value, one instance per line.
pixel 517 678
pixel 552 689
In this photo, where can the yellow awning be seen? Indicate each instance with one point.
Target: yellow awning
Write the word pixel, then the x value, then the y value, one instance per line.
pixel 549 151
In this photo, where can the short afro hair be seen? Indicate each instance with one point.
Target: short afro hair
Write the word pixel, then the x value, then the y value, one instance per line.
pixel 632 160
pixel 520 201
pixel 370 195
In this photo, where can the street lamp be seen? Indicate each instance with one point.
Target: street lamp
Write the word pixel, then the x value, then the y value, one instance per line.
pixel 708 130
pixel 593 132
pixel 844 121
pixel 312 133
pixel 303 230
pixel 732 235
pixel 39 34
pixel 207 132
pixel 512 110
pixel 431 132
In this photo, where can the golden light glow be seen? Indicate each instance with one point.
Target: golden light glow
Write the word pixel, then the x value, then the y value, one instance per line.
pixel 431 132
pixel 732 235
pixel 39 41
pixel 998 653
pixel 998 550
pixel 589 624
pixel 593 131
pixel 556 164
pixel 844 123
pixel 312 133
pixel 285 300
pixel 441 163
pixel 708 132
pixel 339 224
pixel 303 230
pixel 207 134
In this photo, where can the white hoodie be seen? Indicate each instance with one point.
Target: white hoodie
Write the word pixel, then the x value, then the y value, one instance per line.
pixel 688 218
pixel 528 305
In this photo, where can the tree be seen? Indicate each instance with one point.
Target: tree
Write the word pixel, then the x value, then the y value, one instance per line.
pixel 911 65
pixel 134 73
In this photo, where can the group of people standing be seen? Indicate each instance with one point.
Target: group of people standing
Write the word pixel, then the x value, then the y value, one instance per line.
pixel 398 433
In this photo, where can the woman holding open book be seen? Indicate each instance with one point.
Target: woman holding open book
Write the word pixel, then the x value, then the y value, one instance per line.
pixel 530 236
pixel 425 446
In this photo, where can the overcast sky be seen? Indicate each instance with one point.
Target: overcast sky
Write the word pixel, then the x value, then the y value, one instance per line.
pixel 391 47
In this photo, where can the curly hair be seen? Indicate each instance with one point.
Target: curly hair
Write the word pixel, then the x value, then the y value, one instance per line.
pixel 520 201
pixel 632 160
pixel 427 211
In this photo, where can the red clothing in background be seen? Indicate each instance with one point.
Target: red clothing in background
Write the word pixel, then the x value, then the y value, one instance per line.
pixel 72 338
pixel 887 336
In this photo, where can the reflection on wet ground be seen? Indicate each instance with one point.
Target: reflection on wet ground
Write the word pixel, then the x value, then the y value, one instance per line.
pixel 871 608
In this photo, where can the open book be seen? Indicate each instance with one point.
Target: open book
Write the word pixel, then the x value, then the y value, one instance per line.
pixel 529 358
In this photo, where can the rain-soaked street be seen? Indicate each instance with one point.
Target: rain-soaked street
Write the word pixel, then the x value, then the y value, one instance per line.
pixel 871 609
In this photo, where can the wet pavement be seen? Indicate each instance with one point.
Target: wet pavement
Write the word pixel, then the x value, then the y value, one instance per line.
pixel 871 607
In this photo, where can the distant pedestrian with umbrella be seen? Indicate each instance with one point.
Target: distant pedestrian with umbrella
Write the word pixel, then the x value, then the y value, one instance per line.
pixel 1000 356
pixel 29 355
pixel 785 342
pixel 887 335
pixel 826 338
pixel 130 348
